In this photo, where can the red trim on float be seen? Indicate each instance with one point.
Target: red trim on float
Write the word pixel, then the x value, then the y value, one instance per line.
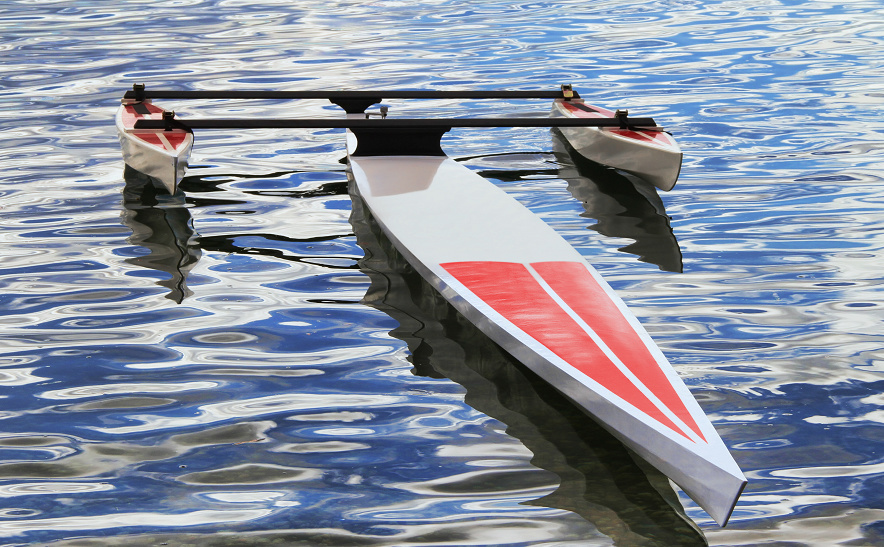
pixel 655 137
pixel 573 283
pixel 663 137
pixel 151 138
pixel 629 134
pixel 599 111
pixel 176 138
pixel 129 116
pixel 538 315
pixel 133 115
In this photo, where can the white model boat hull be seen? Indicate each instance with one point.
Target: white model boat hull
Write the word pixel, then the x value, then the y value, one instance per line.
pixel 651 155
pixel 532 293
pixel 159 154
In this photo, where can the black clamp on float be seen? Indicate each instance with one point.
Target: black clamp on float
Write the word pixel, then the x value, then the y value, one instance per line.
pixel 622 117
pixel 138 89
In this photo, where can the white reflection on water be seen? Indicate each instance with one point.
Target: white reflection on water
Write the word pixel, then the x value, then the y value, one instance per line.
pixel 19 377
pixel 53 488
pixel 250 408
pixel 245 497
pixel 259 358
pixel 118 520
pixel 118 389
pixel 840 528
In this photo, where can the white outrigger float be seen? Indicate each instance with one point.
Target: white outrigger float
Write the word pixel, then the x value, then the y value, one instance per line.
pixel 648 153
pixel 159 153
pixel 514 277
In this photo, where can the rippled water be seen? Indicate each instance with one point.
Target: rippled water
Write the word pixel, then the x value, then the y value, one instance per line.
pixel 250 362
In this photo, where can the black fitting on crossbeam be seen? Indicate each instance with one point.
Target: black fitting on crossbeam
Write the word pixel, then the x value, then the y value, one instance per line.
pixel 170 122
pixel 623 117
pixel 374 95
pixel 356 106
pixel 138 91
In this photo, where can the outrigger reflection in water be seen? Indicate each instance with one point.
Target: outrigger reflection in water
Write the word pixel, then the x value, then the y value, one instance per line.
pixel 508 272
pixel 162 224
pixel 623 206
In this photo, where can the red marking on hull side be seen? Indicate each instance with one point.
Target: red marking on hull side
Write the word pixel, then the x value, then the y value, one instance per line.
pixel 599 111
pixel 639 136
pixel 513 292
pixel 657 137
pixel 583 294
pixel 176 137
pixel 662 137
pixel 130 115
pixel 151 138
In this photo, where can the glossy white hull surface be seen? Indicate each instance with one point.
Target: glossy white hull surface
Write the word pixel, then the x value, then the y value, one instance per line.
pixel 651 155
pixel 160 154
pixel 532 293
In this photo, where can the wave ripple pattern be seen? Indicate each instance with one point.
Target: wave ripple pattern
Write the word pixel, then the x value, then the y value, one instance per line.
pixel 249 361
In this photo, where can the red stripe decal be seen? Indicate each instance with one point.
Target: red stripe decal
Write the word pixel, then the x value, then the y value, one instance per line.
pixel 151 138
pixel 657 137
pixel 635 135
pixel 175 138
pixel 582 293
pixel 663 138
pixel 513 292
pixel 130 115
pixel 599 111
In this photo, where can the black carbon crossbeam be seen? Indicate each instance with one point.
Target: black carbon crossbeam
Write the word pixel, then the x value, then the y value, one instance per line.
pixel 395 137
pixel 331 95
pixel 624 122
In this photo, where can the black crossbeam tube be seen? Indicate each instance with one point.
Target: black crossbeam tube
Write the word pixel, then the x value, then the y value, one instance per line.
pixel 398 123
pixel 331 95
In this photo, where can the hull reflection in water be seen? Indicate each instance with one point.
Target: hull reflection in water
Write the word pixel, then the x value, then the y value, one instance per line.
pixel 623 206
pixel 599 480
pixel 161 224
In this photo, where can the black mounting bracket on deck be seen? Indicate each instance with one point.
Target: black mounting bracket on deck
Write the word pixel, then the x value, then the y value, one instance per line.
pixel 414 141
pixel 356 105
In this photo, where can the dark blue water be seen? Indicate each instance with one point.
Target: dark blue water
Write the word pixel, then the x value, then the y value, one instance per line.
pixel 249 361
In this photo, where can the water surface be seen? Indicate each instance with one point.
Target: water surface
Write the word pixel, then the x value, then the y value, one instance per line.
pixel 249 361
